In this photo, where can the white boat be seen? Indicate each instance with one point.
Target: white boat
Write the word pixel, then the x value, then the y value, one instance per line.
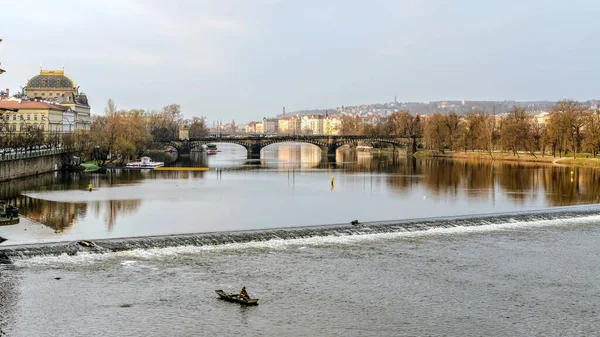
pixel 202 148
pixel 146 162
pixel 212 149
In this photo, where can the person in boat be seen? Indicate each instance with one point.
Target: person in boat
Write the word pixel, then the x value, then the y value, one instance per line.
pixel 9 212
pixel 244 294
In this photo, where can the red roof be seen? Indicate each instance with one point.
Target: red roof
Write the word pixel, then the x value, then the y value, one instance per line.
pixel 30 105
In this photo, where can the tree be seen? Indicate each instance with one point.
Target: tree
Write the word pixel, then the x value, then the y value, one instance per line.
pixel 591 137
pixel 570 119
pixel 435 132
pixel 198 127
pixel 516 131
pixel 475 133
pixel 119 134
pixel 351 125
pixel 453 129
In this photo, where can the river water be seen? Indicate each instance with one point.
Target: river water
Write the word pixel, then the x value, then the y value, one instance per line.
pixel 476 249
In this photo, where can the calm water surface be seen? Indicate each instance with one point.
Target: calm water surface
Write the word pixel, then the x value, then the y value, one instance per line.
pixel 290 186
pixel 525 277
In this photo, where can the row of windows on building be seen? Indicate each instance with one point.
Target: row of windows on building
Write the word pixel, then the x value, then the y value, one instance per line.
pixel 22 127
pixel 23 117
pixel 45 81
pixel 37 94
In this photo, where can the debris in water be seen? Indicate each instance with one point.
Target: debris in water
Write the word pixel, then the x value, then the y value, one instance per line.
pixel 86 243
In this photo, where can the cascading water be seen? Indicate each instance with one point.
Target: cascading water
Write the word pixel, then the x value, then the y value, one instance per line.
pixel 556 216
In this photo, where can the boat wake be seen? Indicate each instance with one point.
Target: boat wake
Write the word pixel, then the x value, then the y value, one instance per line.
pixel 325 234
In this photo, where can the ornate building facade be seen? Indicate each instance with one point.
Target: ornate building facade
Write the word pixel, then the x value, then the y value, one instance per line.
pixel 54 87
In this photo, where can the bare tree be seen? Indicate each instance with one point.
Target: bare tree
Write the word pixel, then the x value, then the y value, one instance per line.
pixel 516 131
pixel 198 127
pixel 571 118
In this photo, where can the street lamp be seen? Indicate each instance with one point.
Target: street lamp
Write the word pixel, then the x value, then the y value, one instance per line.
pixel 69 122
pixel 1 70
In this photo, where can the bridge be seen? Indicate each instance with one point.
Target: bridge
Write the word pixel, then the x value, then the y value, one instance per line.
pixel 254 144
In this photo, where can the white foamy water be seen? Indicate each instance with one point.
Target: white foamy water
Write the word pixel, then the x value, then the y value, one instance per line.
pixel 300 243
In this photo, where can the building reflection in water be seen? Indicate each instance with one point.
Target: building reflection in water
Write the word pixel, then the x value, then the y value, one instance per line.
pixel 292 155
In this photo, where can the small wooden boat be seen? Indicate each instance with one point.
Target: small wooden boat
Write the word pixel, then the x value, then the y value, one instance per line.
pixel 9 215
pixel 236 298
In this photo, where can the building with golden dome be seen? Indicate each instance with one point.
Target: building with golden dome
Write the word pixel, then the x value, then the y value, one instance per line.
pixel 54 87
pixel 50 84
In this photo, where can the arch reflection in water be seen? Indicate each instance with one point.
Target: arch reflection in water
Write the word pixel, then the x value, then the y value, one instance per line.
pixel 289 155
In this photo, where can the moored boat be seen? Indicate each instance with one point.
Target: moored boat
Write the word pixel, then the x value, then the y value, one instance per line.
pixel 230 297
pixel 9 214
pixel 211 149
pixel 202 148
pixel 146 162
pixel 90 167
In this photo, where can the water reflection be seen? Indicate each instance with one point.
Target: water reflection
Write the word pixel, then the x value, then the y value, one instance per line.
pixel 286 186
pixel 112 209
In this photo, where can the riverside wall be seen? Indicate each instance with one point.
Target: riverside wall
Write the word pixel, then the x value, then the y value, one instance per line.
pixel 32 165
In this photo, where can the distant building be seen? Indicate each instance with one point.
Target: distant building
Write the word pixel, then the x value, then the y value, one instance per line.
pixel 22 116
pixel 372 120
pixel 313 124
pixel 240 127
pixel 290 125
pixel 251 127
pixel 270 125
pixel 254 127
pixel 184 132
pixel 542 117
pixel 52 86
pixel 332 125
pixel 283 125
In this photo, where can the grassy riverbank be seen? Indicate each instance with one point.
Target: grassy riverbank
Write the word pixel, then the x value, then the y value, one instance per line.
pixel 582 160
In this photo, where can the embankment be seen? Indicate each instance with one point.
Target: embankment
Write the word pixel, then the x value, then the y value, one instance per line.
pixel 503 156
pixel 32 164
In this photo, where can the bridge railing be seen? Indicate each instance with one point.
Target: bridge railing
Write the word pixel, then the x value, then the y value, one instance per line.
pixel 280 136
pixel 8 156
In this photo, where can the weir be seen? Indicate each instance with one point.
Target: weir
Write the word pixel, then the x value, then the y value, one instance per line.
pixel 557 215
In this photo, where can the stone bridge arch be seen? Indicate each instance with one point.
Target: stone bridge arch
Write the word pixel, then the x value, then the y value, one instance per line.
pixel 328 144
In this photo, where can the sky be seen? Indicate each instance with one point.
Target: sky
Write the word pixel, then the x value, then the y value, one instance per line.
pixel 246 59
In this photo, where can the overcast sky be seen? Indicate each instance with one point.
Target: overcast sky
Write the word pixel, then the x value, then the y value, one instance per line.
pixel 245 59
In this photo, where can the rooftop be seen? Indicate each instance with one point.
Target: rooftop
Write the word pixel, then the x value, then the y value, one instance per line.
pixel 33 105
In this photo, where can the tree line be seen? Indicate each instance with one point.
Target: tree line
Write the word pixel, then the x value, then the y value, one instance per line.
pixel 568 129
pixel 116 136
pixel 120 134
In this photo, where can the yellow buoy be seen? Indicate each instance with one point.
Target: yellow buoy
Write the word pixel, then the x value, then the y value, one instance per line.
pixel 90 187
pixel 181 169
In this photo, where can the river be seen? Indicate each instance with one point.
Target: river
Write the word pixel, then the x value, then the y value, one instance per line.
pixel 468 248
